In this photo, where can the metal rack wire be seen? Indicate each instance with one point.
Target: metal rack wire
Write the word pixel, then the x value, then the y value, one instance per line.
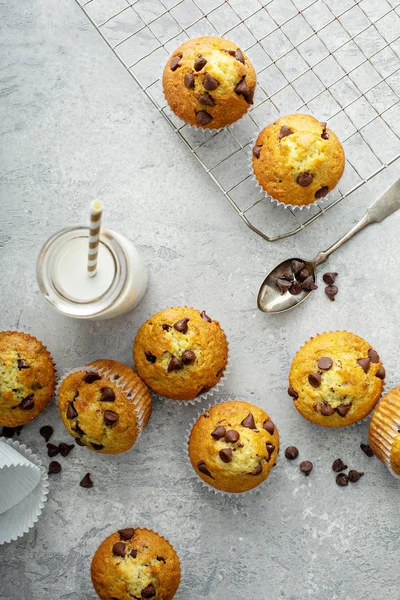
pixel 336 59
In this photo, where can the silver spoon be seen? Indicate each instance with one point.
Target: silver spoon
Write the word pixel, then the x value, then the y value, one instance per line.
pixel 269 297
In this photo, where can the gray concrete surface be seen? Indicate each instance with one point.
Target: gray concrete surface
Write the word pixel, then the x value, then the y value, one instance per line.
pixel 74 126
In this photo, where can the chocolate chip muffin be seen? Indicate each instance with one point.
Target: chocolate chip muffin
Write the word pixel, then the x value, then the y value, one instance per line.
pixel 297 160
pixel 209 82
pixel 336 379
pixel 27 378
pixel 384 431
pixel 233 446
pixel 180 353
pixel 104 406
pixel 135 564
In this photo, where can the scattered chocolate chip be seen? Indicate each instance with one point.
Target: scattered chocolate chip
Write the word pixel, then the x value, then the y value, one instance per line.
pixel 295 288
pixel 18 429
pixel 86 482
pixel 373 355
pixel 239 55
pixel 174 365
pixel 134 553
pixel 257 470
pixel 65 449
pixel 7 432
pixel 27 403
pixel 257 150
pixel 203 117
pixel 331 291
pixel 210 83
pixel 283 285
pixel 326 409
pixel 381 373
pixel 119 549
pixel 270 448
pixel 291 452
pixel 342 480
pixel 366 448
pixel 202 467
pixel 305 179
pixel 306 467
pixel 354 476
pixel 126 534
pixel 175 60
pixel 111 417
pixel 166 327
pixel 314 379
pixel 71 411
pixel 325 363
pixel 249 96
pixel 199 63
pixel 285 131
pixel 22 364
pixel 329 278
pixel 54 467
pixel 46 431
pixel 269 426
pixel 343 409
pixel 107 395
pixel 322 192
pixel 225 455
pixel 232 436
pixel 91 376
pixel 218 433
pixel 338 465
pixel 52 450
pixel 205 316
pixel 97 446
pixel 241 87
pixel 188 357
pixel 148 592
pixel 309 284
pixel 188 81
pixel 303 275
pixel 249 422
pixel 207 99
pixel 150 357
pixel 364 364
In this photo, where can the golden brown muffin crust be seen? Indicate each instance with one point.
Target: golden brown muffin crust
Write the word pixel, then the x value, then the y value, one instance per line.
pixel 233 446
pixel 209 82
pixel 134 564
pixel 179 353
pixel 297 160
pixel 27 378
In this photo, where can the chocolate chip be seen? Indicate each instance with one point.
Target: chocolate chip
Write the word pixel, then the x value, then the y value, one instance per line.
pixel 283 285
pixel 79 442
pixel 343 409
pixel 257 150
pixel 270 448
pixel 239 55
pixel 306 467
pixel 91 376
pixel 297 266
pixel 354 476
pixel 285 131
pixel 204 389
pixel 303 275
pixel 54 467
pixel 210 83
pixel 225 455
pixel 97 446
pixel 126 534
pixel 291 452
pixel 202 467
pixel 207 100
pixel 329 278
pixel 331 291
pixel 249 96
pixel 76 395
pixel 305 179
pixel 188 357
pixel 309 284
pixel 175 60
pixel 366 448
pixel 292 392
pixel 325 363
pixel 231 52
pixel 381 373
pixel 269 426
pixel 241 87
pixel 182 325
pixel 134 553
pixel 199 63
pixel 324 134
pixel 295 288
pixel 148 592
pixel 52 450
pixel 322 192
pixel 77 429
pixel 218 433
pixel 373 355
pixel 27 403
pixel 338 465
pixel 203 117
pixel 326 409
pixel 119 549
pixel 249 422
pixel 71 411
pixel 46 431
pixel 65 449
pixel 286 274
pixel 364 364
pixel 111 417
pixel 86 482
pixel 205 316
pixel 7 432
pixel 22 364
pixel 188 81
pixel 161 559
pixel 107 395
pixel 314 379
pixel 166 327
pixel 257 470
pixel 150 357
pixel 232 436
pixel 342 480
pixel 174 365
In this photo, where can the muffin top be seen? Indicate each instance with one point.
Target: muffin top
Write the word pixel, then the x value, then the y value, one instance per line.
pixel 135 563
pixel 233 446
pixel 297 160
pixel 27 378
pixel 336 379
pixel 180 353
pixel 209 82
pixel 105 405
pixel 384 430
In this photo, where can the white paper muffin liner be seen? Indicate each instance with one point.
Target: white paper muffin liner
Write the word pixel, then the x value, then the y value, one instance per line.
pixel 384 429
pixel 203 483
pixel 23 490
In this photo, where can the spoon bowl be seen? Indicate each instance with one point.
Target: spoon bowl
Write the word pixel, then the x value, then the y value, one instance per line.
pixel 271 300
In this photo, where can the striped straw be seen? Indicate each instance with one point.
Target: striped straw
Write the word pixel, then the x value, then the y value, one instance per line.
pixel 96 210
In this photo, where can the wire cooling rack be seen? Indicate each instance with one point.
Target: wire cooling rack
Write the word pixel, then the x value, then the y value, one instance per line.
pixel 336 59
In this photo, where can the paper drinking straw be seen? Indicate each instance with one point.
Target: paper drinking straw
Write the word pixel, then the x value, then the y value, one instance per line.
pixel 96 210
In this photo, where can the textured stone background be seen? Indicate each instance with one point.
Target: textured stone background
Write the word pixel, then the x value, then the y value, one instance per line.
pixel 74 126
